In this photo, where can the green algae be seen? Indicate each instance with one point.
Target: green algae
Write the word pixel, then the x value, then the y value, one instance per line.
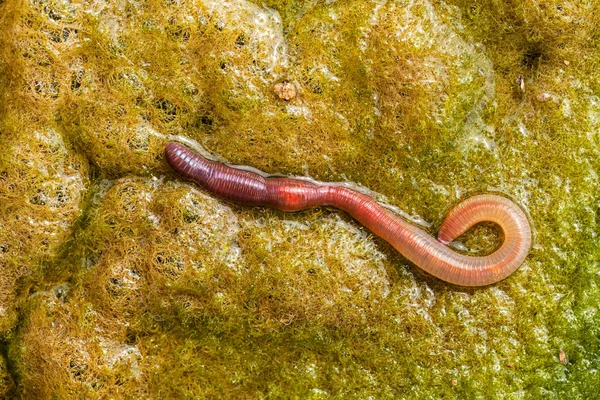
pixel 42 181
pixel 7 384
pixel 121 281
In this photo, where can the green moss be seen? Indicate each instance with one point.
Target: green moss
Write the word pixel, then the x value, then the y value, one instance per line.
pixel 7 384
pixel 119 280
pixel 42 181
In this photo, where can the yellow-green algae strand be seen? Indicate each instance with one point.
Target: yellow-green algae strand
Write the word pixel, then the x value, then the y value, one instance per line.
pixel 119 280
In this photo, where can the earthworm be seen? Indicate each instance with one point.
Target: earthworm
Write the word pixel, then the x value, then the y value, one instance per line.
pixel 430 254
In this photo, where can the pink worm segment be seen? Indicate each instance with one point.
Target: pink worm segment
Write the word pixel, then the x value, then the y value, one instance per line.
pixel 433 256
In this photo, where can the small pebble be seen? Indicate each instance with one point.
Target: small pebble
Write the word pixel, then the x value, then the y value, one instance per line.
pixel 562 357
pixel 543 97
pixel 285 90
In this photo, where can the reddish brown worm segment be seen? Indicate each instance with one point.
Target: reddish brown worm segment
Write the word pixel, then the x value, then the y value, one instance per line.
pixel 433 256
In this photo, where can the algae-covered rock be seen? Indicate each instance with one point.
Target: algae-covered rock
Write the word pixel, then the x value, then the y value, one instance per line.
pixel 162 259
pixel 42 184
pixel 119 280
pixel 63 353
pixel 135 256
pixel 7 384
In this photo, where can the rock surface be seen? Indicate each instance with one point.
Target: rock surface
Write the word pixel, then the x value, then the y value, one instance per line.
pixel 121 281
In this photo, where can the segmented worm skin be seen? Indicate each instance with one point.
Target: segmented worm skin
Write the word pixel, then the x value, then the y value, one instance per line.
pixel 431 254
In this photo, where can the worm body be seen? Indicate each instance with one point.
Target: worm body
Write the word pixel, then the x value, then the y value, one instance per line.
pixel 430 254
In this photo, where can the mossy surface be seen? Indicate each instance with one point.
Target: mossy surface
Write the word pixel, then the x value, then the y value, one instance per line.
pixel 121 281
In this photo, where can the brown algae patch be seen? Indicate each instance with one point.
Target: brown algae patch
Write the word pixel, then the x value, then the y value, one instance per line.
pixel 135 254
pixel 7 384
pixel 130 283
